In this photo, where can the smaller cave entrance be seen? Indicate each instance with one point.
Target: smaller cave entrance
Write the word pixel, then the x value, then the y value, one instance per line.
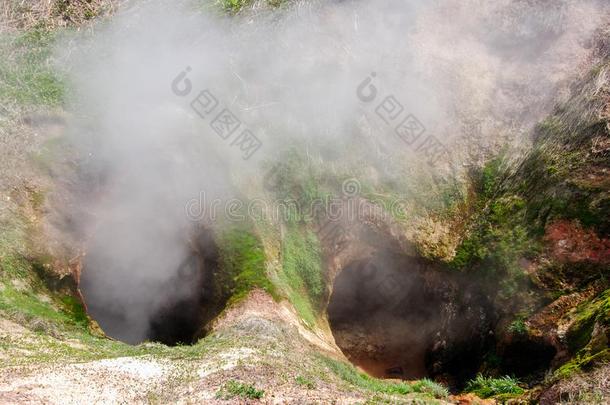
pixel 526 357
pixel 404 317
pixel 383 314
pixel 137 295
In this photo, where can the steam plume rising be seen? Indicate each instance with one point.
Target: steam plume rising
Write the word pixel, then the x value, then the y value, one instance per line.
pixel 476 74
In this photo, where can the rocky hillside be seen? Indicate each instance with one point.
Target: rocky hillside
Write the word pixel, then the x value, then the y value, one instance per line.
pixel 482 280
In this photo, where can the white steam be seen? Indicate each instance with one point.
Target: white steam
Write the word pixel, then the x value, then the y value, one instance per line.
pixel 475 74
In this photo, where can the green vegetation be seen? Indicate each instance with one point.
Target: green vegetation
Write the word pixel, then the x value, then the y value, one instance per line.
pixel 486 387
pixel 348 373
pixel 490 178
pixel 23 295
pixel 233 6
pixel 499 236
pixel 305 382
pixel 243 263
pixel 26 75
pixel 579 334
pixel 232 389
pixel 302 272
pixel 518 326
pixel 302 263
pixel 583 361
pixel 77 12
pixel 432 388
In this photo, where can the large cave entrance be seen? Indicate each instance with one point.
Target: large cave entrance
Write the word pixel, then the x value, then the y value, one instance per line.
pixel 397 316
pixel 163 293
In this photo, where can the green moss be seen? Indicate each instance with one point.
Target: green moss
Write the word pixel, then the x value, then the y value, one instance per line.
pixel 582 362
pixel 302 263
pixel 243 264
pixel 588 313
pixel 75 309
pixel 302 273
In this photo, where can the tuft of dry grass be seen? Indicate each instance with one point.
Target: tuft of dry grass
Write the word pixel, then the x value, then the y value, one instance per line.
pixel 19 15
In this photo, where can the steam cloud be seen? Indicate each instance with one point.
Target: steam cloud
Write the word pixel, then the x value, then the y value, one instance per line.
pixel 476 74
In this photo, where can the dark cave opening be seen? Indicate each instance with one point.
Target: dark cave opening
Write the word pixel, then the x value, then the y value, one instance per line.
pixel 401 317
pixel 383 316
pixel 527 357
pixel 134 307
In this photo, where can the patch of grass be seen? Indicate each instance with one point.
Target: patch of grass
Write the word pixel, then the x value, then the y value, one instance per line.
pixel 26 302
pixel 77 12
pixel 302 272
pixel 303 263
pixel 486 387
pixel 232 389
pixel 349 374
pixel 432 388
pixel 305 382
pixel 302 305
pixel 233 6
pixel 26 75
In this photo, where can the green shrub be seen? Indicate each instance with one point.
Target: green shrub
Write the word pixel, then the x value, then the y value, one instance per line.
pixel 486 387
pixel 232 389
